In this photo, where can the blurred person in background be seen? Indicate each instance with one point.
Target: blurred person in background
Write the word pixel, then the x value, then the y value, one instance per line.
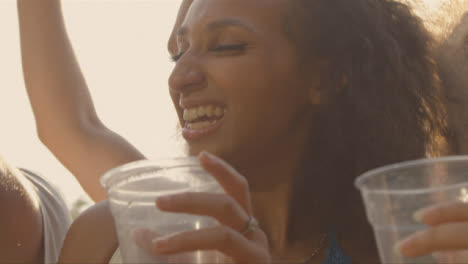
pixel 33 217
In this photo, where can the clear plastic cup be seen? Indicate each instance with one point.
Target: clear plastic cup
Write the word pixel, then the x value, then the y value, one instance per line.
pixel 132 190
pixel 393 193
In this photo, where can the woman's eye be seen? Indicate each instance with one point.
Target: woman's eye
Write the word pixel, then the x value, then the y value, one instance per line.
pixel 236 47
pixel 176 57
pixel 220 48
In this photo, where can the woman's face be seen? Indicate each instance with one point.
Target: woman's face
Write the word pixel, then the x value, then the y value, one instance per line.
pixel 237 85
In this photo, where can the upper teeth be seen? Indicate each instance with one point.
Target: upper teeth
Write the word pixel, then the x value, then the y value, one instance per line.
pixel 201 111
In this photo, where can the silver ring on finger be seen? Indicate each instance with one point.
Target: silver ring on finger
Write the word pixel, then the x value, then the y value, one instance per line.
pixel 250 226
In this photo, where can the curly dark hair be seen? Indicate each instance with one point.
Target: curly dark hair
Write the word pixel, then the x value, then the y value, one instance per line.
pixel 383 95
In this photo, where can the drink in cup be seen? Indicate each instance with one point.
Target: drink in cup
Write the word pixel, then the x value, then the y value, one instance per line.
pixel 132 190
pixel 393 194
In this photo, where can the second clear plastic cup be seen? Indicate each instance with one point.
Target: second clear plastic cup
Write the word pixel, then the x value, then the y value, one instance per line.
pixel 393 194
pixel 132 190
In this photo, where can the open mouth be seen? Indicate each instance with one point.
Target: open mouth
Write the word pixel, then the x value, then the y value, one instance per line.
pixel 201 120
pixel 203 116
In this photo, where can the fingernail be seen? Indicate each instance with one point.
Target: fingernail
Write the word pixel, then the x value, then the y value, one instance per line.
pixel 397 249
pixel 160 245
pixel 418 215
pixel 208 157
pixel 403 246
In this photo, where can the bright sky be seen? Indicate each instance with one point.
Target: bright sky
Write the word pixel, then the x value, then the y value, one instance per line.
pixel 121 46
pixel 432 3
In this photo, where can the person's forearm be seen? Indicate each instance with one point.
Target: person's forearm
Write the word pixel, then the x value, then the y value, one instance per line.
pixel 66 120
pixel 54 82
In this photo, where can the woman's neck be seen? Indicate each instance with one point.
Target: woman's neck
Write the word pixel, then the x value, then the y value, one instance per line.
pixel 273 195
pixel 291 201
pixel 271 208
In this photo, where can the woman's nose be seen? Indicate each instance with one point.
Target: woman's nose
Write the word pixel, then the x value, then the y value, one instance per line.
pixel 186 77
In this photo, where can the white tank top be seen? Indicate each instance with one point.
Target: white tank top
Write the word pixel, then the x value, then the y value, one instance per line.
pixel 116 258
pixel 56 218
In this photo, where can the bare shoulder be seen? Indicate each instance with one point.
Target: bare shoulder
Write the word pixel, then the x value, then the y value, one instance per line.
pixel 91 238
pixel 20 218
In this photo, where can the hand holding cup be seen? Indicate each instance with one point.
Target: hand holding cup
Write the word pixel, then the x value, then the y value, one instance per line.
pixel 233 210
pixel 446 236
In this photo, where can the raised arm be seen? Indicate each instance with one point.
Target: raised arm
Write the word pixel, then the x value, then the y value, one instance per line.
pixel 66 120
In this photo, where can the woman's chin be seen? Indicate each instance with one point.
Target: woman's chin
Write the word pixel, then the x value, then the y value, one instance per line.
pixel 194 149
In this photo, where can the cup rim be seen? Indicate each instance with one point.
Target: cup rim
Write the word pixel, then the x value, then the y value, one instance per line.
pixel 359 183
pixel 106 178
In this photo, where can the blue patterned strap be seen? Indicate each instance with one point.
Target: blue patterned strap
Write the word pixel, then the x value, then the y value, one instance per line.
pixel 335 254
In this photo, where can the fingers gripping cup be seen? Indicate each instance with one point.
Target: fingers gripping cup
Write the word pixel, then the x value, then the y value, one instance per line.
pixel 132 190
pixel 393 194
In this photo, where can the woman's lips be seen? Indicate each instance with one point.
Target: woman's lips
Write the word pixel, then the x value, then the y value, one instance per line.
pixel 201 119
pixel 192 131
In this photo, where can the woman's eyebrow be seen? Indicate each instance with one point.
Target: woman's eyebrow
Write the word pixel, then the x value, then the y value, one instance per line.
pixel 218 24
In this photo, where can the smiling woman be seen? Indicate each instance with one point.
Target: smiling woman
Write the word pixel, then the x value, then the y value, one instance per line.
pixel 293 101
pixel 231 44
